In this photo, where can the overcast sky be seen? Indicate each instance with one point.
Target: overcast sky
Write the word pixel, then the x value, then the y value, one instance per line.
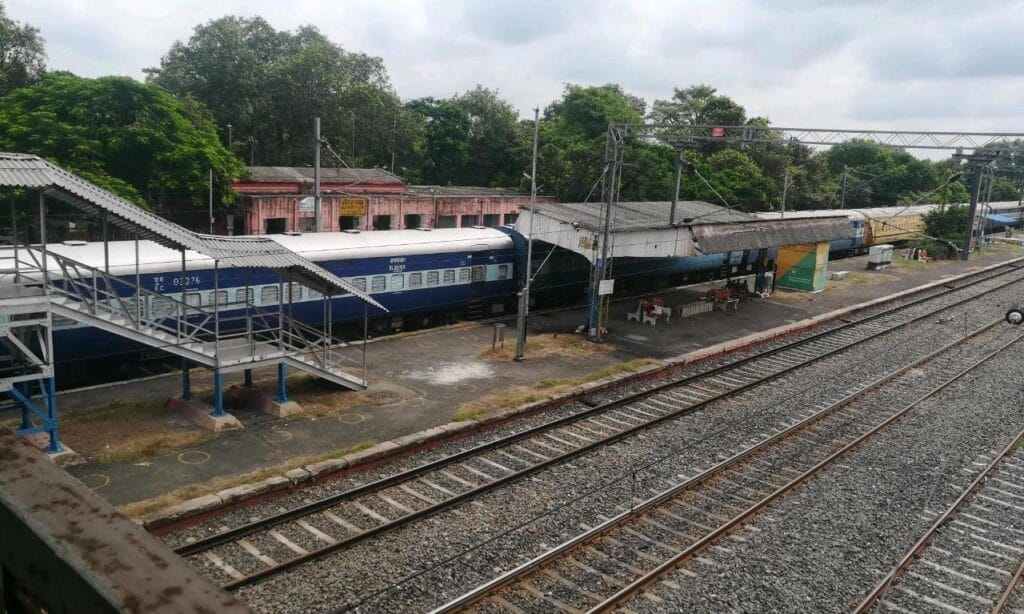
pixel 939 65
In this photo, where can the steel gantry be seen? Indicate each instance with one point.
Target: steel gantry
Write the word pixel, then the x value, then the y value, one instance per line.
pixel 979 149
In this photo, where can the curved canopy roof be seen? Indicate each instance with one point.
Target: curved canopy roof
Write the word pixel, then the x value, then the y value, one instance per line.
pixel 30 171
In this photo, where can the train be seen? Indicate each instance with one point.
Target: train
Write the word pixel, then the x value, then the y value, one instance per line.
pixel 895 225
pixel 427 277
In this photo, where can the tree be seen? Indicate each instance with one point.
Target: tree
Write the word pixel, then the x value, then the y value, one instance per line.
pixel 444 148
pixel 269 85
pixel 944 226
pixel 131 138
pixel 498 148
pixel 22 54
pixel 698 105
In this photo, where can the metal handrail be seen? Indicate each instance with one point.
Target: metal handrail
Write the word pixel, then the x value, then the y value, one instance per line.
pixel 98 292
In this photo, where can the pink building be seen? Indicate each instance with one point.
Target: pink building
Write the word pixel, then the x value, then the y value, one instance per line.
pixel 279 199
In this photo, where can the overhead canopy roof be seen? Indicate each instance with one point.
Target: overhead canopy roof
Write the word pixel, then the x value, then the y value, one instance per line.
pixel 304 174
pixel 29 171
pixel 642 229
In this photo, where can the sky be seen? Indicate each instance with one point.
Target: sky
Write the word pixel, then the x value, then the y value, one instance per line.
pixel 915 64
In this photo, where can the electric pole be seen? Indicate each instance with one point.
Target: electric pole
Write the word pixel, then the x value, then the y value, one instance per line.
pixel 211 200
pixel 524 296
pixel 976 162
pixel 316 172
pixel 785 188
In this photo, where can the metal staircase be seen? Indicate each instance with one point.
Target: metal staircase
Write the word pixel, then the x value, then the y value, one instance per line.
pixel 249 337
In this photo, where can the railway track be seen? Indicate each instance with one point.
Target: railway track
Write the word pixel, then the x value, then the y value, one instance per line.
pixel 613 561
pixel 251 552
pixel 972 558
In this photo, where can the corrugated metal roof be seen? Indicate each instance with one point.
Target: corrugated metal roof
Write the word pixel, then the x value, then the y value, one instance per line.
pixel 644 215
pixel 29 171
pixel 719 238
pixel 304 174
pixel 464 191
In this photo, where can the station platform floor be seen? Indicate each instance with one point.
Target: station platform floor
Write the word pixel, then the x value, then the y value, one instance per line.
pixel 418 380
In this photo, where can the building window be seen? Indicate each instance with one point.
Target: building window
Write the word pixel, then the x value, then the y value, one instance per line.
pixel 382 222
pixel 350 222
pixel 492 219
pixel 510 218
pixel 378 283
pixel 447 221
pixel 269 295
pixel 449 277
pixel 244 295
pixel 413 221
pixel 275 226
pixel 432 278
pixel 397 281
pixel 307 224
pixel 502 271
pixel 415 280
pixel 463 275
pixel 360 283
pixel 469 220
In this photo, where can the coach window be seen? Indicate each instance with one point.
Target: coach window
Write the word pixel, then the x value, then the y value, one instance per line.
pixel 245 295
pixel 295 291
pixel 268 295
pixel 464 275
pixel 360 283
pixel 478 273
pixel 378 283
pixel 315 295
pixel 415 280
pixel 397 281
pixel 432 278
pixel 449 277
pixel 502 271
pixel 220 298
pixel 161 306
pixel 193 299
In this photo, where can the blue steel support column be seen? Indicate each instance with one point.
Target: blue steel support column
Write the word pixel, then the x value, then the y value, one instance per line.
pixel 282 393
pixel 50 398
pixel 186 384
pixel 26 421
pixel 218 395
pixel 248 379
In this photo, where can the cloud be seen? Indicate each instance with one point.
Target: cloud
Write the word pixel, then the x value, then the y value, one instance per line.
pixel 838 63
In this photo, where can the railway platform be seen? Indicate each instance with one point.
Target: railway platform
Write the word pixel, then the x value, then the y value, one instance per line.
pixel 420 379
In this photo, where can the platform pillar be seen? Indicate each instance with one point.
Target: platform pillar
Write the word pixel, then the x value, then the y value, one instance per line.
pixel 218 395
pixel 282 392
pixel 186 383
pixel 248 379
pixel 26 420
pixel 50 399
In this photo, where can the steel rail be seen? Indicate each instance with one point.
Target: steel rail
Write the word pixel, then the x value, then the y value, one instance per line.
pixel 1004 598
pixel 333 500
pixel 317 553
pixel 519 573
pixel 634 587
pixel 879 591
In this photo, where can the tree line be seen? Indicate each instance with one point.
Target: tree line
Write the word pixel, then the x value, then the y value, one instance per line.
pixel 240 92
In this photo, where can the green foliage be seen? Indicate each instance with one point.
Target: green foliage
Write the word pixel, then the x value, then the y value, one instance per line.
pixel 133 139
pixel 22 54
pixel 944 225
pixel 269 85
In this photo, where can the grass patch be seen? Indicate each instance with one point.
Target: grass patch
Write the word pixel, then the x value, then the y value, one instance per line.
pixel 170 499
pixel 538 346
pixel 542 390
pixel 127 430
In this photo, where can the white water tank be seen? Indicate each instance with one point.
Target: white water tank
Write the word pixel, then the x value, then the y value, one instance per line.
pixel 879 256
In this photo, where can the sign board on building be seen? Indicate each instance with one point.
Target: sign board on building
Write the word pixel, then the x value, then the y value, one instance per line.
pixel 307 204
pixel 718 132
pixel 606 286
pixel 352 206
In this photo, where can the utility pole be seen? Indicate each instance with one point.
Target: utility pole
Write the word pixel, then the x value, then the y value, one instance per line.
pixel 976 162
pixel 316 171
pixel 211 200
pixel 785 188
pixel 229 136
pixel 675 194
pixel 252 151
pixel 524 296
pixel 614 150
pixel 842 201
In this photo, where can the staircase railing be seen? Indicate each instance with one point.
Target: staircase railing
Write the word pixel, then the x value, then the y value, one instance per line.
pixel 208 329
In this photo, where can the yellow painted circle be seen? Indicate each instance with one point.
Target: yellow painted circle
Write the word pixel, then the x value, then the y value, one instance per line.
pixel 276 435
pixel 351 418
pixel 193 457
pixel 94 481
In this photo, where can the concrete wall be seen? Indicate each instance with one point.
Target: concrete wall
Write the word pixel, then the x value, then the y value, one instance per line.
pixel 258 209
